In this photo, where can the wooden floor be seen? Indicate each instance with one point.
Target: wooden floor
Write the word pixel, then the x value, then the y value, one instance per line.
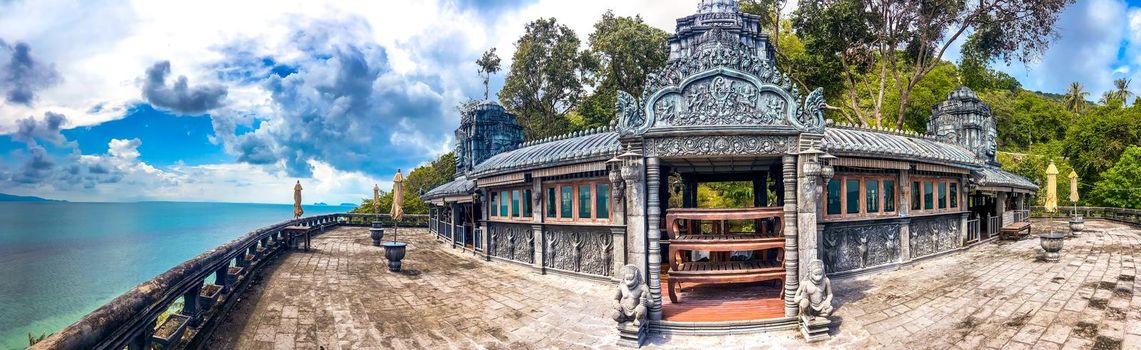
pixel 724 302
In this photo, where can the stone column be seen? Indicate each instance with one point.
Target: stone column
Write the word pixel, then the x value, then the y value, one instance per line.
pixel 190 305
pixel 966 214
pixel 635 201
pixel 485 207
pixel 452 221
pixel 618 220
pixel 791 254
pixel 654 234
pixel 905 211
pixel 539 249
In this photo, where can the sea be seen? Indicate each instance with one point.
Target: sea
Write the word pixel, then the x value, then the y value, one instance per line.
pixel 62 260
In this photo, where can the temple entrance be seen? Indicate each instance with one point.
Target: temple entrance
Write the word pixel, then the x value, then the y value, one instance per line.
pixel 723 241
pixel 984 208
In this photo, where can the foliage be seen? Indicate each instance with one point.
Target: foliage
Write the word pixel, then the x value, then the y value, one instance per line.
pixel 1097 138
pixel 1075 99
pixel 1024 118
pixel 488 65
pixel 1120 186
pixel 734 194
pixel 545 81
pixel 1121 90
pixel 1032 165
pixel 622 51
pixel 33 340
pixel 422 179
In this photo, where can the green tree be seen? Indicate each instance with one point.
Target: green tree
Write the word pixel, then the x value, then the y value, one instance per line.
pixel 1120 186
pixel 1075 99
pixel 1097 138
pixel 545 81
pixel 1121 90
pixel 1025 118
pixel 1032 165
pixel 622 50
pixel 488 65
pixel 421 179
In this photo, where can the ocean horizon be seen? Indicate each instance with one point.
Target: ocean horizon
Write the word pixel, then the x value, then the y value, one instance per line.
pixel 62 260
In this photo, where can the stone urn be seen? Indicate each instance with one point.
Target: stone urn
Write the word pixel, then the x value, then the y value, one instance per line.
pixel 376 233
pixel 1052 244
pixel 1077 224
pixel 394 252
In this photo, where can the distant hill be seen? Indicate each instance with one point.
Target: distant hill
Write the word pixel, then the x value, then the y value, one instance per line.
pixel 4 197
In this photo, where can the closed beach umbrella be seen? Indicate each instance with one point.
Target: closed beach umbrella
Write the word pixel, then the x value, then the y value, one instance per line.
pixel 1073 186
pixel 376 198
pixel 1051 188
pixel 397 196
pixel 297 211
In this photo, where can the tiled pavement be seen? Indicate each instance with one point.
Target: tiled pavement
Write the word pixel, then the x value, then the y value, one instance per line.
pixel 995 295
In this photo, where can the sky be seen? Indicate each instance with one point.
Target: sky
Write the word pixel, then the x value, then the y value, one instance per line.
pixel 233 101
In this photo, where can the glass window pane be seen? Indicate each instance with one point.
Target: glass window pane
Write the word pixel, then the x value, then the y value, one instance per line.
pixel 515 203
pixel 915 195
pixel 493 205
pixel 527 203
pixel 565 201
pixel 503 202
pixel 551 200
pixel 602 201
pixel 954 195
pixel 584 201
pixel 872 195
pixel 942 195
pixel 888 196
pixel 852 188
pixel 833 197
pixel 928 196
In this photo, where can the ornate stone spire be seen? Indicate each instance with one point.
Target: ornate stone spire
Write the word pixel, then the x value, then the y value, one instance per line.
pixel 963 118
pixel 717 6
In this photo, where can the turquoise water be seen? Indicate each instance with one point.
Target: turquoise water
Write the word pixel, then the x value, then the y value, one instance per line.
pixel 60 261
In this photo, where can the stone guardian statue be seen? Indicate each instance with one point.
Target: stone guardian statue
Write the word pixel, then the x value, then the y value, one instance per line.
pixel 632 300
pixel 814 299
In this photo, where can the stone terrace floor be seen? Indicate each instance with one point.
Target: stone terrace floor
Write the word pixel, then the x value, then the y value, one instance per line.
pixel 995 295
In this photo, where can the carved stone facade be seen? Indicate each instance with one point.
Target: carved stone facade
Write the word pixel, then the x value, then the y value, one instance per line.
pixel 964 119
pixel 511 241
pixel 859 245
pixel 486 129
pixel 719 146
pixel 934 234
pixel 581 249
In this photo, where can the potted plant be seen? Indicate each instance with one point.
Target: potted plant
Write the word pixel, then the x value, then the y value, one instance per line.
pixel 1052 244
pixel 170 331
pixel 208 295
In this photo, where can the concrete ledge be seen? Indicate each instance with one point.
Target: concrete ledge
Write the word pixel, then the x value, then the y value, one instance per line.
pixel 724 328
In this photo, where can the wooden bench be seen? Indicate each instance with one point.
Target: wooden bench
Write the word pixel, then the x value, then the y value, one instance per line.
pixel 296 233
pixel 1015 230
pixel 722 269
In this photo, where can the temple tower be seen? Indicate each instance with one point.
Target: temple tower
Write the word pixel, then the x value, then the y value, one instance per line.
pixel 719 20
pixel 966 120
pixel 486 129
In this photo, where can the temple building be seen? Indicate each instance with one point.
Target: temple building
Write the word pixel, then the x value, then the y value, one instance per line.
pixel 860 200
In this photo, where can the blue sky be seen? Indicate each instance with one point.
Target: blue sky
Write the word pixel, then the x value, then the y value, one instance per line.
pixel 110 100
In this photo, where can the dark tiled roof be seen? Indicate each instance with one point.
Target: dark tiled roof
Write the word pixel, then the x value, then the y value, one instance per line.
pixel 991 176
pixel 844 140
pixel 597 144
pixel 460 186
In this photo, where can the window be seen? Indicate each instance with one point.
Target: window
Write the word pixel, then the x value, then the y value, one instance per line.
pixel 872 193
pixel 492 204
pixel 584 202
pixel 942 195
pixel 551 203
pixel 833 197
pixel 503 201
pixel 527 203
pixel 928 196
pixel 854 196
pixel 565 201
pixel 515 203
pixel 915 195
pixel 954 195
pixel 888 196
pixel 851 188
pixel 602 201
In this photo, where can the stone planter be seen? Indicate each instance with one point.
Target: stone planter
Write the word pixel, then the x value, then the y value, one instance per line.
pixel 1052 244
pixel 1077 224
pixel 377 234
pixel 394 252
pixel 232 275
pixel 170 331
pixel 208 295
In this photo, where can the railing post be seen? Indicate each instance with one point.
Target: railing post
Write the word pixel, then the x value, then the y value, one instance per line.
pixel 190 304
pixel 220 278
pixel 142 340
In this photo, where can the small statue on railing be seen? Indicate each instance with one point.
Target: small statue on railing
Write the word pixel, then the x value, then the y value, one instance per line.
pixel 631 303
pixel 633 297
pixel 814 299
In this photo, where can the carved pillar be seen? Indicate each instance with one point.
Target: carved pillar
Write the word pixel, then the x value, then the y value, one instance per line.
pixel 618 220
pixel 635 201
pixel 966 214
pixel 905 211
pixel 791 256
pixel 539 249
pixel 453 220
pixel 654 234
pixel 485 208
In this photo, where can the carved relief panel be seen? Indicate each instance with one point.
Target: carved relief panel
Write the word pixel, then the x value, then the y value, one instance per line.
pixel 848 246
pixel 511 241
pixel 578 249
pixel 934 234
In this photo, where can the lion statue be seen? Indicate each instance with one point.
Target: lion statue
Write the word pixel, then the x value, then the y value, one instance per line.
pixel 633 297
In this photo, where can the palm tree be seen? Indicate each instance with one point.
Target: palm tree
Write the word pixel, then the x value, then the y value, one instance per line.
pixel 1075 99
pixel 1107 96
pixel 1122 93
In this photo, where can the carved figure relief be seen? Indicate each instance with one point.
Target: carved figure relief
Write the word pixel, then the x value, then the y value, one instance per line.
pixel 717 145
pixel 630 116
pixel 856 246
pixel 934 234
pixel 511 241
pixel 585 250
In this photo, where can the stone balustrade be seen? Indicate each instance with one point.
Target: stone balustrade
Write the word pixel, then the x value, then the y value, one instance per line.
pixel 1125 215
pixel 207 285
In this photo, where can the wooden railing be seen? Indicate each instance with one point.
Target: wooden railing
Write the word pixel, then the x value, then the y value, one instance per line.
pixel 1125 215
pixel 1022 215
pixel 973 229
pixel 207 285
